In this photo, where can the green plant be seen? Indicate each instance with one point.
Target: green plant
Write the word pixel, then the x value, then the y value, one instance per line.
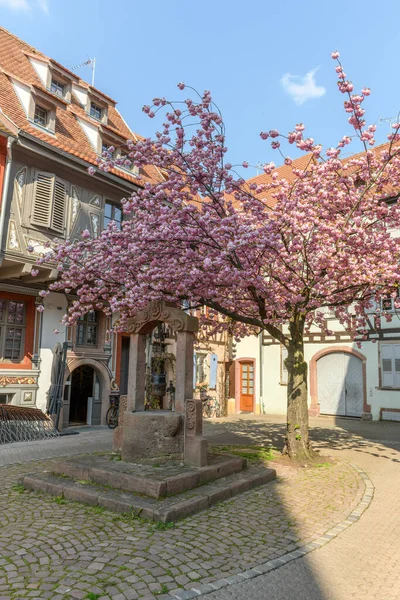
pixel 60 500
pixel 18 487
pixel 98 510
pixel 92 596
pixel 163 590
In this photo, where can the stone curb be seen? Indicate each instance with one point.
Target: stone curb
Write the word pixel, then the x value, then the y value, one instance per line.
pixel 272 565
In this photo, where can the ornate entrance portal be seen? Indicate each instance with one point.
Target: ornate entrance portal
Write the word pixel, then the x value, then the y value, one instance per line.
pixel 82 395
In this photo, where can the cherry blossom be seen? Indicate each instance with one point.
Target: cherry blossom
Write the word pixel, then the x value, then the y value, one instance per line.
pixel 270 255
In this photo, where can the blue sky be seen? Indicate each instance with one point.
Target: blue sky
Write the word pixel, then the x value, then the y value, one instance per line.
pixel 240 51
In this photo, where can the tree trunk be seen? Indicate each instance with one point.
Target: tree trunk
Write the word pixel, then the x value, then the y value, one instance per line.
pixel 297 439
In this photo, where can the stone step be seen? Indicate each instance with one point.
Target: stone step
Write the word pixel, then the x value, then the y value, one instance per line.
pixel 147 479
pixel 169 509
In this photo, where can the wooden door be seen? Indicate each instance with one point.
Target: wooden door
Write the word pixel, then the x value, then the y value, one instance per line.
pixel 246 386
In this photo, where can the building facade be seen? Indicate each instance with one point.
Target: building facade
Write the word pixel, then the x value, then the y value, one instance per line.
pixel 53 127
pixel 343 379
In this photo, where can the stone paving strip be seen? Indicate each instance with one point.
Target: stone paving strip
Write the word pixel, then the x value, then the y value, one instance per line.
pixel 271 565
pixel 51 548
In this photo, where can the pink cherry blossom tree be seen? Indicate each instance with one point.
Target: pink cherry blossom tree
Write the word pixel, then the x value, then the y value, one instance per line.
pixel 266 257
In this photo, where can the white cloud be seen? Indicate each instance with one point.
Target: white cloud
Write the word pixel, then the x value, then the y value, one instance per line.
pixel 302 88
pixel 25 5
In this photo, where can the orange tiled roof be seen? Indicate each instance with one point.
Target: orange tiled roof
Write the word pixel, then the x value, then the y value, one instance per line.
pixel 69 135
pixel 285 172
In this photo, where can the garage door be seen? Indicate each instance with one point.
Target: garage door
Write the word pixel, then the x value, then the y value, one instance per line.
pixel 340 384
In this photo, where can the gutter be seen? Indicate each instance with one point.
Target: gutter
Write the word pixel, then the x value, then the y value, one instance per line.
pixel 6 181
pixel 261 353
pixel 106 178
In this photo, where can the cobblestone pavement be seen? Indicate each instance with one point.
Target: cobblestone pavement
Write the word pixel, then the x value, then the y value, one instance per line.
pixel 50 548
pixel 363 563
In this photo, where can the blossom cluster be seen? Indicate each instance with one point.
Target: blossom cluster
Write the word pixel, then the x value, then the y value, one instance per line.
pixel 260 254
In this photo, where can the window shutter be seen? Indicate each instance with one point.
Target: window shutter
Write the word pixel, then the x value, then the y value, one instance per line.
pixel 58 216
pixel 213 371
pixel 396 348
pixel 387 365
pixel 284 376
pixel 42 201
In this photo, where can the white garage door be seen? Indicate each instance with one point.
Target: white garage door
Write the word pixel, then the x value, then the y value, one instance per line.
pixel 340 384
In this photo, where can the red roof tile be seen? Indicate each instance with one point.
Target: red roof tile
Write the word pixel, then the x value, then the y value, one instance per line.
pixel 69 136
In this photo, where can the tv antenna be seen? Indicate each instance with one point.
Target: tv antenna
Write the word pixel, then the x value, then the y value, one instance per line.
pixel 89 61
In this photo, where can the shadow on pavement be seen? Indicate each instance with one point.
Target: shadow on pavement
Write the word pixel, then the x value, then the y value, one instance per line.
pixel 374 438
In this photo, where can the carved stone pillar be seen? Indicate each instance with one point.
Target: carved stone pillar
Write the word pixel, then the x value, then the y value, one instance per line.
pixel 137 372
pixel 195 449
pixel 184 369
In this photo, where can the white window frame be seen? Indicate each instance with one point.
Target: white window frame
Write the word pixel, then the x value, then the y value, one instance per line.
pixel 389 361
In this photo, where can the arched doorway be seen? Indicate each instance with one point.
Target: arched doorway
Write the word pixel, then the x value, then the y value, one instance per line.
pixel 82 394
pixel 340 384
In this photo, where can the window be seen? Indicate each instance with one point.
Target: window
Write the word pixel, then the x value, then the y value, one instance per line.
pixel 390 364
pixel 6 398
pixel 387 304
pixel 284 373
pixel 95 111
pixel 112 213
pixel 57 88
pixel 49 202
pixel 12 329
pixel 86 330
pixel 200 368
pixel 40 117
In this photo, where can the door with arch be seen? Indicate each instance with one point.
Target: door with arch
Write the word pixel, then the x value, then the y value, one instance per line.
pixel 340 384
pixel 82 398
pixel 246 386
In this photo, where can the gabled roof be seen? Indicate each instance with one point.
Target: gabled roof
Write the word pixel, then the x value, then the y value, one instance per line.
pixel 15 62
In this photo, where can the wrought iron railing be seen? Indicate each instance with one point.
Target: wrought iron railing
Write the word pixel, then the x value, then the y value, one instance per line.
pixel 22 424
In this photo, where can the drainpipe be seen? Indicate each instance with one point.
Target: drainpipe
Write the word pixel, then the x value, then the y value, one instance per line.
pixel 260 368
pixel 7 171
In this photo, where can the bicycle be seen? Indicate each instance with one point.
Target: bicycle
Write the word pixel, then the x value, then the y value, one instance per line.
pixel 211 407
pixel 112 415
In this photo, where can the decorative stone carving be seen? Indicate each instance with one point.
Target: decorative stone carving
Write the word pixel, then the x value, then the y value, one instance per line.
pixel 20 179
pixel 13 242
pixel 37 245
pixel 75 206
pixel 4 380
pixel 95 221
pixel 96 201
pixel 146 319
pixel 190 414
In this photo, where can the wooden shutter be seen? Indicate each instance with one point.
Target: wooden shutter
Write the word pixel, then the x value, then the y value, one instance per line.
pixel 42 201
pixel 396 352
pixel 387 365
pixel 58 215
pixel 213 371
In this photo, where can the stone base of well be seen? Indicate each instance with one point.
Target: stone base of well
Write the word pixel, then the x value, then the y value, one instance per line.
pixel 152 434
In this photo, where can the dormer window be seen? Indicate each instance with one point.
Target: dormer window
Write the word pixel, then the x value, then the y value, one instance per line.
pixel 40 116
pixel 95 111
pixel 57 88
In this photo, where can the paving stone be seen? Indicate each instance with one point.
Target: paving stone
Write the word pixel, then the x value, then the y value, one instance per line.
pixel 236 536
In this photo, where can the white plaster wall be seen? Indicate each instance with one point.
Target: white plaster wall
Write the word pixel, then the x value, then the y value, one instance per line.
pixel 55 307
pixel 92 133
pixel 41 68
pixel 24 94
pixel 81 94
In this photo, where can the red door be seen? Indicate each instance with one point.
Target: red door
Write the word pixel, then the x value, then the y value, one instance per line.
pixel 246 386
